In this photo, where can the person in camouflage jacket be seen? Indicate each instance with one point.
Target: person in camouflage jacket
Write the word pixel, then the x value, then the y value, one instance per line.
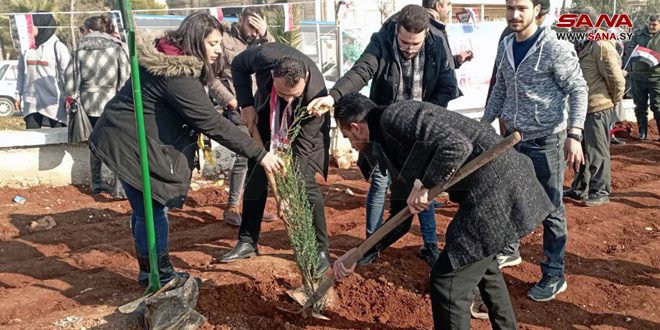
pixel 645 80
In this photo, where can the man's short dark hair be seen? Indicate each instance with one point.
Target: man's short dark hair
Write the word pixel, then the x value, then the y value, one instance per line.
pixel 290 68
pixel 545 6
pixel 353 108
pixel 414 18
pixel 653 18
pixel 430 4
pixel 252 11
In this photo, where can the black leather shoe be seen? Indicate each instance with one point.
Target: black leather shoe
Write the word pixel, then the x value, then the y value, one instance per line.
pixel 324 262
pixel 143 274
pixel 241 251
pixel 165 270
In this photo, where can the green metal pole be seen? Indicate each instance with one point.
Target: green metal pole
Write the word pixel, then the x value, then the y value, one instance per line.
pixel 154 280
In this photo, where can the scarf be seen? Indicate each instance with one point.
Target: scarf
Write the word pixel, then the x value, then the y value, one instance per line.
pixel 46 27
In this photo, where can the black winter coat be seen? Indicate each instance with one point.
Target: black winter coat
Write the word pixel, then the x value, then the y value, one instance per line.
pixel 378 63
pixel 498 204
pixel 176 108
pixel 313 143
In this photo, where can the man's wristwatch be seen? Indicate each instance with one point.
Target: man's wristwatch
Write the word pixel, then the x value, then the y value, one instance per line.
pixel 574 136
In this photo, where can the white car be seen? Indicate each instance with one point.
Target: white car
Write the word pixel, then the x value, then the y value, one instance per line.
pixel 8 72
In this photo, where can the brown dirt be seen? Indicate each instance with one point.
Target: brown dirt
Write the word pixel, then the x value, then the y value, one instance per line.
pixel 84 266
pixel 12 123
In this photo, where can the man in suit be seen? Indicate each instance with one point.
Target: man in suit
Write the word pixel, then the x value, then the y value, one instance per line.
pixel 423 146
pixel 286 79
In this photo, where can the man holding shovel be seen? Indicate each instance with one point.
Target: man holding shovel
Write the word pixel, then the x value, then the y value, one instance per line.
pixel 423 146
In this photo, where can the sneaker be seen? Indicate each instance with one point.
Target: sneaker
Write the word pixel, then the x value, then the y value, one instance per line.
pixel 572 194
pixel 509 260
pixel 596 200
pixel 430 253
pixel 232 216
pixel 478 309
pixel 367 259
pixel 547 288
pixel 616 141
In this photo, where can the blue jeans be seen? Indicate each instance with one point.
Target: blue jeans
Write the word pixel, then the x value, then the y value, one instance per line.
pixel 139 225
pixel 376 208
pixel 547 155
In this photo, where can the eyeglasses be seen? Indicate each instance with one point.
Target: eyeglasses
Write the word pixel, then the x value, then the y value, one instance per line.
pixel 405 46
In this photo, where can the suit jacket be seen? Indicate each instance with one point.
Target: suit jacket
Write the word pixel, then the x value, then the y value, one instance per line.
pixel 498 204
pixel 313 143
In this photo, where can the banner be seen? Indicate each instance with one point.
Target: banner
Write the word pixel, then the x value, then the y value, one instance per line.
pixel 22 31
pixel 288 16
pixel 217 13
pixel 474 76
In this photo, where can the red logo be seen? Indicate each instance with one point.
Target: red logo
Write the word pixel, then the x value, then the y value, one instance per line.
pixel 583 20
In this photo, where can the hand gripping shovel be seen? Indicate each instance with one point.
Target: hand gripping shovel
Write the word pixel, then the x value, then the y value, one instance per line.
pixel 388 226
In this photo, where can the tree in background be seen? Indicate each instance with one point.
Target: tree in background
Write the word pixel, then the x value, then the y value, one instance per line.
pixel 275 17
pixel 640 15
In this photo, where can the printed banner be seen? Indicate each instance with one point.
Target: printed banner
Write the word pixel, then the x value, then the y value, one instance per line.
pixel 474 76
pixel 22 31
pixel 217 13
pixel 288 16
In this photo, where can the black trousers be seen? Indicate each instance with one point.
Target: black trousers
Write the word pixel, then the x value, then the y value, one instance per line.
pixel 35 121
pixel 254 203
pixel 451 294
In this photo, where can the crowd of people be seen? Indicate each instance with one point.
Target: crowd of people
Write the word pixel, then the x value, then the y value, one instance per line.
pixel 233 84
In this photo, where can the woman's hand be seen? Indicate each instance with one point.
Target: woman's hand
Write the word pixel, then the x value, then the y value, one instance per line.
pixel 272 163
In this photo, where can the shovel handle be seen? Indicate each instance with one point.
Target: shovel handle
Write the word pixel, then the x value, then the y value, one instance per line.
pixel 392 223
pixel 463 172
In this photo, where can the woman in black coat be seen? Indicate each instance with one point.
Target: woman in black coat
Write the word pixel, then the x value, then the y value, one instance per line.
pixel 173 72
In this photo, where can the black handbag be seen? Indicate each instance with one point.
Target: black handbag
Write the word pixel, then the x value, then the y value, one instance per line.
pixel 80 128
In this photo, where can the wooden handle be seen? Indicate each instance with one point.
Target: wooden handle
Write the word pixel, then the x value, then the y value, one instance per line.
pixel 463 172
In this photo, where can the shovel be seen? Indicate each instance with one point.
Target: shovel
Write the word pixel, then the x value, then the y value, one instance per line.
pixel 387 227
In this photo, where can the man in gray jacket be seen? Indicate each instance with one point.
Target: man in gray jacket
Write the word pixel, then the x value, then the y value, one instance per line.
pixel 540 92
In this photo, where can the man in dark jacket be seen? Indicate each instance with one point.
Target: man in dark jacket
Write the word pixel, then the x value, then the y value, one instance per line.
pixel 424 146
pixel 405 60
pixel 439 10
pixel 286 79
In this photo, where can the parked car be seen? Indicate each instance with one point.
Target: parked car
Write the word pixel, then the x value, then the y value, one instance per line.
pixel 8 72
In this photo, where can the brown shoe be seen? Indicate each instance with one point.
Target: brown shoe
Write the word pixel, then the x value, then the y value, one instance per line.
pixel 232 216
